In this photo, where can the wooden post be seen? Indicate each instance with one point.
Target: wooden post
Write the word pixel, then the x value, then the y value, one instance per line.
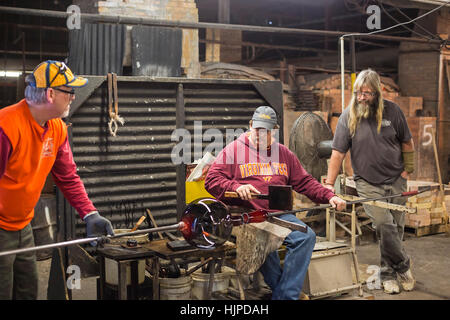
pixel 223 14
pixel 332 227
pixel 440 125
pixel 181 168
pixel 358 276
pixel 155 266
pixel 283 71
pixel 122 281
pixel 291 78
pixel 353 227
pixel 443 117
pixel 441 186
pixel 327 224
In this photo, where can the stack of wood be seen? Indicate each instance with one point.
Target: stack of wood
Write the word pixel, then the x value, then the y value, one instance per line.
pixel 220 70
pixel 429 206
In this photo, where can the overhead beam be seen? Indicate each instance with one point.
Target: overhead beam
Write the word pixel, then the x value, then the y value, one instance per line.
pixel 223 14
pixel 332 18
pixel 35 53
pixel 129 20
pixel 267 46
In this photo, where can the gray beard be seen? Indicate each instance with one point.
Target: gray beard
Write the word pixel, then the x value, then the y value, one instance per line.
pixel 65 114
pixel 364 110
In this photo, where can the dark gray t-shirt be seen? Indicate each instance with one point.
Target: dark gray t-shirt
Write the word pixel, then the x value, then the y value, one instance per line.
pixel 376 157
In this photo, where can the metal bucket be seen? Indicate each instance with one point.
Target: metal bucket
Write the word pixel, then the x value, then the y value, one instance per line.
pixel 175 288
pixel 44 224
pixel 201 282
pixel 112 272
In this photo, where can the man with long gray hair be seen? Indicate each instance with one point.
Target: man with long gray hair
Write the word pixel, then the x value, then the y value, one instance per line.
pixel 33 143
pixel 382 155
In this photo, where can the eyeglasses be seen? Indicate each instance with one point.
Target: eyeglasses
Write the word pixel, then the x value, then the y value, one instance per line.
pixel 365 94
pixel 71 92
pixel 62 70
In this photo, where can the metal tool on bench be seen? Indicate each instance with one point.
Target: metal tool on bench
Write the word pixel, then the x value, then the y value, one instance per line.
pixel 141 219
pixel 263 215
pixel 99 239
pixel 360 200
pixel 279 196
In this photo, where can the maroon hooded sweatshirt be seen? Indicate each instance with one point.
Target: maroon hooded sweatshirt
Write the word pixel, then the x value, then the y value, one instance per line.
pixel 241 163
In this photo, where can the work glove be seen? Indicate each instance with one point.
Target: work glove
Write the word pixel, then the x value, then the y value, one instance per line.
pixel 97 226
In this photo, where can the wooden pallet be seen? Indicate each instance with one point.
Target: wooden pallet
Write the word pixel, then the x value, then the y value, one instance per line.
pixel 426 230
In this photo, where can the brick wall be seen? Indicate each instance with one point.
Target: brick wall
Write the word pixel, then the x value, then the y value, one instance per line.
pixel 418 71
pixel 222 52
pixel 418 64
pixel 231 53
pixel 186 10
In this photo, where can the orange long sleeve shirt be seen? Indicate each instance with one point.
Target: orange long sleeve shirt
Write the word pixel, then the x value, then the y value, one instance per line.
pixel 34 152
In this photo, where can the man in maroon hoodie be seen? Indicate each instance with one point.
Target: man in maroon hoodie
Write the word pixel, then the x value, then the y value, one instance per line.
pixel 249 165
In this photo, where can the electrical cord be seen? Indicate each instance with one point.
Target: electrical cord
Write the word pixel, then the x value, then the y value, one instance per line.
pixel 416 24
pixel 404 26
pixel 400 24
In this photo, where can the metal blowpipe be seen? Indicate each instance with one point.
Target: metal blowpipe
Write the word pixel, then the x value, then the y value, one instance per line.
pixel 176 226
pixel 325 206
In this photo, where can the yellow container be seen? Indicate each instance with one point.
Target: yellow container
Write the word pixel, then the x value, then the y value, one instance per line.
pixel 196 190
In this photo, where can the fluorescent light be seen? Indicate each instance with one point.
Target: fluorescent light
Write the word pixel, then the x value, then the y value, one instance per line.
pixel 10 74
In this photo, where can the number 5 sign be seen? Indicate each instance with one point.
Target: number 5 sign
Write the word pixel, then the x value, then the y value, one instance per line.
pixel 427 135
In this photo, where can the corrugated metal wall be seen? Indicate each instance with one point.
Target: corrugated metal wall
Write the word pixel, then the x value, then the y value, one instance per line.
pixel 156 51
pixel 97 49
pixel 126 174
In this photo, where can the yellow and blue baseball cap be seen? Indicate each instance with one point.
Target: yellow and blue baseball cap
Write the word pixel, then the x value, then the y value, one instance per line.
pixel 264 117
pixel 51 73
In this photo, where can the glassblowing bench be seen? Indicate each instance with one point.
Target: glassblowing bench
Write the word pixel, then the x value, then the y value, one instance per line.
pixel 153 250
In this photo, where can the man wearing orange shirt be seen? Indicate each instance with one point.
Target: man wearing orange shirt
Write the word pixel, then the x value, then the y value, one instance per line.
pixel 33 143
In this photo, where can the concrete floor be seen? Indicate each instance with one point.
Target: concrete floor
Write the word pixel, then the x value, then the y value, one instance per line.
pixel 429 254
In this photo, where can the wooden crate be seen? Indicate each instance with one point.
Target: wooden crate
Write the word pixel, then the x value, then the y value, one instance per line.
pixel 429 217
pixel 409 105
pixel 418 220
pixel 426 230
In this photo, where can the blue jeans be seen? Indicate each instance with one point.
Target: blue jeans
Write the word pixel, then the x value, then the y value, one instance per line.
pixel 287 282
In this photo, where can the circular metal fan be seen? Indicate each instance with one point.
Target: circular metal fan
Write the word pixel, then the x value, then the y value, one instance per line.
pixel 310 141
